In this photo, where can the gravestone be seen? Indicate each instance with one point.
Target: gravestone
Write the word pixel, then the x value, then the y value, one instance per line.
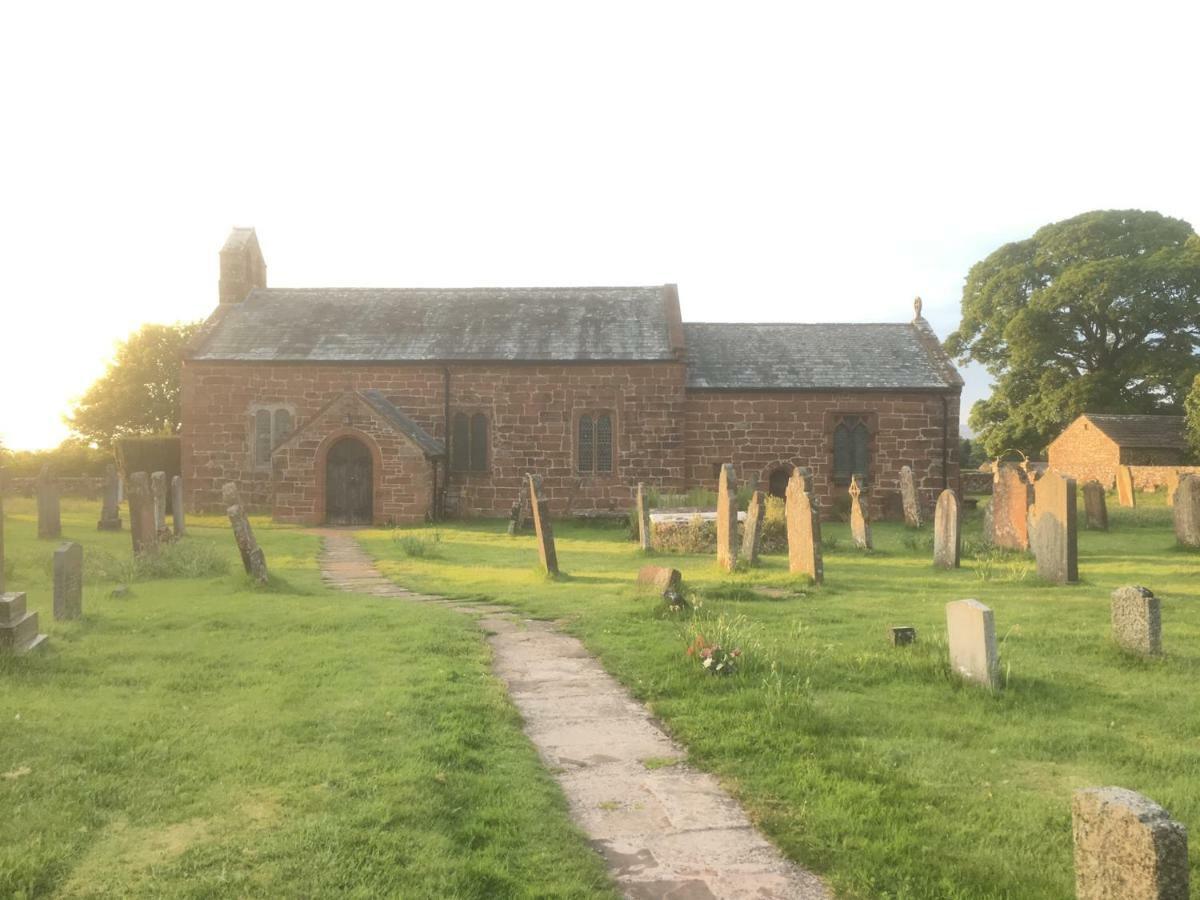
pixel 1095 506
pixel 541 525
pixel 158 493
pixel 947 533
pixel 253 560
pixel 520 519
pixel 1187 511
pixel 902 635
pixel 18 627
pixel 860 526
pixel 1010 507
pixel 752 533
pixel 1125 494
pixel 1055 537
pixel 110 508
pixel 971 634
pixel 1172 483
pixel 727 518
pixel 643 517
pixel 141 514
pixel 1127 847
pixel 803 527
pixel 49 514
pixel 68 581
pixel 178 525
pixel 1137 620
pixel 908 497
pixel 659 578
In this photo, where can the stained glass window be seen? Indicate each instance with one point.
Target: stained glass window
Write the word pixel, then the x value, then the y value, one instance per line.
pixel 587 450
pixel 281 428
pixel 604 448
pixel 851 446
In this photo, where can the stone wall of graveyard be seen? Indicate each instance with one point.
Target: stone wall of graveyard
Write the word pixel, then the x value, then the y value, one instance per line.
pixel 532 413
pixel 762 430
pixel 1149 478
pixel 1084 453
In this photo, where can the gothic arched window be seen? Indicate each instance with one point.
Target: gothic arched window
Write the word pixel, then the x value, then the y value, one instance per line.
pixel 851 450
pixel 596 443
pixel 460 443
pixel 479 443
pixel 262 437
pixel 587 445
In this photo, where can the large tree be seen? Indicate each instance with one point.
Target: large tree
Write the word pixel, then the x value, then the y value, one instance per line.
pixel 1099 313
pixel 139 393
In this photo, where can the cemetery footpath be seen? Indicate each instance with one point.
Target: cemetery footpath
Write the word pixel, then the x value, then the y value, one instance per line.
pixel 881 767
pixel 185 731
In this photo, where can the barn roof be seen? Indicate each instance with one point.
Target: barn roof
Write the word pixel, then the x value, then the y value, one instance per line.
pixel 1157 432
pixel 402 325
pixel 815 356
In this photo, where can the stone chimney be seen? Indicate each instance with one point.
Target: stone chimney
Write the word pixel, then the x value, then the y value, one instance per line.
pixel 242 266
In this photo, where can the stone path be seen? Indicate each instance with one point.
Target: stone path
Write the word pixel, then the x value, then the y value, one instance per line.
pixel 665 829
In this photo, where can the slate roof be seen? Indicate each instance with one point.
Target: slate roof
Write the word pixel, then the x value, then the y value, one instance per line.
pixel 431 446
pixel 1157 432
pixel 401 325
pixel 816 356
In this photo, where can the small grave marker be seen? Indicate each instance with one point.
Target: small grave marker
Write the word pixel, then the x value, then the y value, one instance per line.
pixel 1137 620
pixel 971 631
pixel 947 533
pixel 659 578
pixel 860 525
pixel 68 581
pixel 1095 506
pixel 18 627
pixel 902 635
pixel 1127 846
pixel 752 533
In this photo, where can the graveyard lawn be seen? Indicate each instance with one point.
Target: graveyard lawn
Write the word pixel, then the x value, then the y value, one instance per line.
pixel 204 737
pixel 869 763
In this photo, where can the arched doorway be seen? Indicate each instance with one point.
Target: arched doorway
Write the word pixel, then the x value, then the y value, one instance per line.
pixel 349 483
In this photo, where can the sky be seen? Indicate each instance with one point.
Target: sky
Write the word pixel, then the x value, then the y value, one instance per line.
pixel 778 161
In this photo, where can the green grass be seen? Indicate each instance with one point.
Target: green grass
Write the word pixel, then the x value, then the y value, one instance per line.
pixel 870 764
pixel 203 738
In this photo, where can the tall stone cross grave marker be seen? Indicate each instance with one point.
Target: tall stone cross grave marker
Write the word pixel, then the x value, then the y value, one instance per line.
pixel 860 525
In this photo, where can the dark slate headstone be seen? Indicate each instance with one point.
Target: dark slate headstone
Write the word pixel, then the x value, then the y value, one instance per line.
pixel 141 514
pixel 177 521
pixel 752 533
pixel 1055 537
pixel 902 635
pixel 49 514
pixel 541 525
pixel 68 581
pixel 253 560
pixel 110 508
pixel 1095 506
pixel 803 527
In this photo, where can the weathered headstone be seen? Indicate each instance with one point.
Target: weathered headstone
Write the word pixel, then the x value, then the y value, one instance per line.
pixel 520 518
pixel 752 532
pixel 141 514
pixel 68 581
pixel 49 514
pixel 1172 483
pixel 1055 537
pixel 803 527
pixel 1010 507
pixel 1125 495
pixel 727 519
pixel 1187 511
pixel 253 560
pixel 541 525
pixel 947 533
pixel 1095 506
pixel 643 517
pixel 902 635
pixel 659 578
pixel 1127 847
pixel 177 521
pixel 860 525
pixel 110 509
pixel 158 493
pixel 1137 620
pixel 18 627
pixel 971 633
pixel 908 496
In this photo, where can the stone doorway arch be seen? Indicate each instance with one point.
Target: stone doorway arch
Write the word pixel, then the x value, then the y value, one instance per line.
pixel 349 483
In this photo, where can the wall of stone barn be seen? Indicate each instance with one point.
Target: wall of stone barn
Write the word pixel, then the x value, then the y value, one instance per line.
pixel 757 431
pixel 531 408
pixel 1084 453
pixel 1151 456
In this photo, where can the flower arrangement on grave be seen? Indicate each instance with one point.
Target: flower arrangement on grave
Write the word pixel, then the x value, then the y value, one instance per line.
pixel 713 657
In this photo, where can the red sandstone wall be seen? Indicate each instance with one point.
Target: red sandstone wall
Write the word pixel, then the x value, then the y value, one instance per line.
pixel 758 431
pixel 530 408
pixel 1084 453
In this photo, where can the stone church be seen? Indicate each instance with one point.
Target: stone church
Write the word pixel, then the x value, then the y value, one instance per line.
pixel 345 406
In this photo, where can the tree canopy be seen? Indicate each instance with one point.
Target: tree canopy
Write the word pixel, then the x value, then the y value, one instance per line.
pixel 1099 313
pixel 139 393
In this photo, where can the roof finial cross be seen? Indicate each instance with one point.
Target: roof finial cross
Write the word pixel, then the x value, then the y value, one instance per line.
pixel 855 490
pixel 917 308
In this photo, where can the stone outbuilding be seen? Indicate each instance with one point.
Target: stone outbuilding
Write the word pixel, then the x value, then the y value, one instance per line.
pixel 396 405
pixel 1093 445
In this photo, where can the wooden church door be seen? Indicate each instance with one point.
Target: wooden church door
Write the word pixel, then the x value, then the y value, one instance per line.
pixel 348 484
